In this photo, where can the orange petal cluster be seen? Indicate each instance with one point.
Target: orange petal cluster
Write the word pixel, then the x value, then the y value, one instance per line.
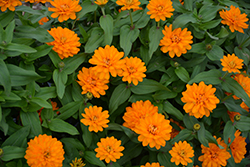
pixel 129 4
pixel 244 81
pixel 232 114
pixel 95 118
pixel 234 19
pixel 10 4
pixel 37 1
pixel 176 41
pixel 154 164
pixel 44 151
pixel 160 9
pixel 65 9
pixel 101 2
pixel 231 63
pixel 109 149
pixel 65 42
pixel 200 100
pixel 77 163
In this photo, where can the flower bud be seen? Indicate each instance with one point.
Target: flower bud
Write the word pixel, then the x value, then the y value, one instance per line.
pixel 209 47
pixel 237 117
pixel 1 151
pixel 176 64
pixel 89 95
pixel 61 64
pixel 196 126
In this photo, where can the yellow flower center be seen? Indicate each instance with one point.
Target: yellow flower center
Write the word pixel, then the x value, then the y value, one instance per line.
pixel 109 149
pixel 182 153
pixel 64 6
pixel 107 61
pixel 63 39
pixel 159 8
pixel 131 70
pixel 214 155
pixel 46 154
pixel 175 39
pixel 91 81
pixel 129 2
pixel 95 118
pixel 152 129
pixel 231 64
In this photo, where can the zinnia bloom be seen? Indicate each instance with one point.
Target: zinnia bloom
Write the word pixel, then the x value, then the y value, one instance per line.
pixel 244 81
pixel 160 9
pixel 44 151
pixel 176 41
pixel 154 131
pixel 101 2
pixel 234 19
pixel 232 114
pixel 109 149
pixel 238 147
pixel 11 4
pixel 43 20
pixel 214 156
pixel 231 63
pixel 182 152
pixel 129 4
pixel 138 111
pixel 37 1
pixel 95 118
pixel 133 70
pixel 65 9
pixel 154 164
pixel 77 163
pixel 65 43
pixel 200 100
pixel 90 81
pixel 107 60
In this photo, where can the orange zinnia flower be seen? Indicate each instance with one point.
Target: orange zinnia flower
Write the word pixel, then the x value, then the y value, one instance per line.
pixel 133 70
pixel 244 81
pixel 154 131
pixel 232 114
pixel 138 111
pixel 238 147
pixel 154 164
pixel 234 19
pixel 65 43
pixel 182 153
pixel 244 106
pixel 176 42
pixel 95 118
pixel 109 149
pixel 129 4
pixel 101 2
pixel 65 9
pixel 43 20
pixel 160 9
pixel 11 4
pixel 214 155
pixel 107 60
pixel 200 100
pixel 90 81
pixel 77 163
pixel 231 63
pixel 44 151
pixel 37 1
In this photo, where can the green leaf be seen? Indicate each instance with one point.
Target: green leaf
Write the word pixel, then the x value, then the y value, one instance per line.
pixel 20 76
pixel 164 94
pixel 216 53
pixel 143 21
pixel 60 79
pixel 69 109
pixel 58 125
pixel 182 73
pixel 199 48
pixel 17 138
pixel 208 12
pixel 164 159
pixel 201 135
pixel 170 109
pixel 189 121
pixel 42 50
pixel 41 102
pixel 223 33
pixel 6 18
pixel 31 119
pixel 29 10
pixel 184 134
pixel 119 96
pixel 84 34
pixel 9 31
pixel 90 157
pixel 74 142
pixel 243 124
pixel 127 37
pixel 55 58
pixel 72 63
pixel 148 86
pixel 183 19
pixel 3 125
pixel 243 54
pixel 19 48
pixel 106 23
pixel 12 152
pixel 228 132
pixel 46 93
pixel 95 40
pixel 87 6
pixel 209 77
pixel 5 77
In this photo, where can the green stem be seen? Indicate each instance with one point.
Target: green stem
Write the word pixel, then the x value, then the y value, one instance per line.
pixel 158 24
pixel 130 15
pixel 231 95
pixel 94 16
pixel 103 11
pixel 224 75
pixel 244 42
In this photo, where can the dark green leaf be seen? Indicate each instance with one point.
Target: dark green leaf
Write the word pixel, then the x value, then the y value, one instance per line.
pixel 209 77
pixel 60 79
pixel 164 94
pixel 6 18
pixel 72 63
pixel 208 12
pixel 41 102
pixel 243 124
pixel 69 109
pixel 87 6
pixel 164 159
pixel 170 109
pixel 46 93
pixel 183 19
pixel 201 135
pixel 5 77
pixel 90 157
pixel 143 21
pixel 58 125
pixel 42 50
pixel 199 48
pixel 9 31
pixel 106 23
pixel 12 152
pixel 182 73
pixel 184 134
pixel 20 48
pixel 95 40
pixel 228 132
pixel 216 53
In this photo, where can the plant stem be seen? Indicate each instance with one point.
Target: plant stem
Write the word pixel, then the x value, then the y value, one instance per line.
pixel 103 11
pixel 231 95
pixel 130 15
pixel 224 75
pixel 158 24
pixel 94 16
pixel 244 42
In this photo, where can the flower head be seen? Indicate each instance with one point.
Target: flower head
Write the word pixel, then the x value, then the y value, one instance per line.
pixel 200 100
pixel 107 60
pixel 109 149
pixel 11 4
pixel 181 153
pixel 37 1
pixel 133 70
pixel 90 81
pixel 176 41
pixel 44 151
pixel 234 19
pixel 65 9
pixel 154 164
pixel 244 81
pixel 101 2
pixel 138 111
pixel 77 163
pixel 65 42
pixel 43 20
pixel 129 4
pixel 238 147
pixel 214 155
pixel 95 118
pixel 154 131
pixel 160 9
pixel 231 63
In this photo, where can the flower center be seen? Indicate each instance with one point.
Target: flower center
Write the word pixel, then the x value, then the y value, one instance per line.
pixel 95 118
pixel 159 8
pixel 175 39
pixel 152 129
pixel 231 64
pixel 46 154
pixel 214 155
pixel 109 149
pixel 63 39
pixel 107 61
pixel 91 81
pixel 182 153
pixel 131 70
pixel 200 98
pixel 129 2
pixel 64 6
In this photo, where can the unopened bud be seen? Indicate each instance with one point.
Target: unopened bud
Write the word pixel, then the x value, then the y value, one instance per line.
pixel 81 153
pixel 89 95
pixel 1 151
pixel 176 64
pixel 196 126
pixel 237 117
pixel 61 64
pixel 209 47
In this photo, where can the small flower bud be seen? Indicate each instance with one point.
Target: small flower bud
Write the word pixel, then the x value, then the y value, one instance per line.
pixel 81 153
pixel 209 47
pixel 237 117
pixel 89 95
pixel 1 151
pixel 176 64
pixel 196 126
pixel 61 64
